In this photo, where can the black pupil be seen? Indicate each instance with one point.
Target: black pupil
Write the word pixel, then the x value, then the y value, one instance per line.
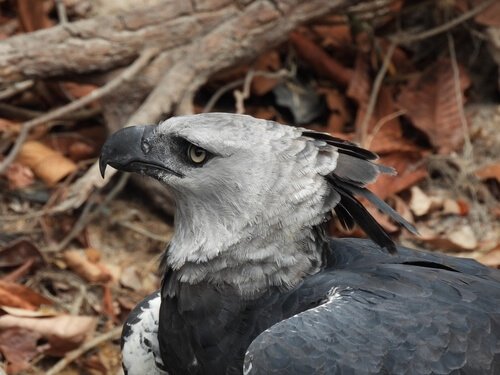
pixel 198 152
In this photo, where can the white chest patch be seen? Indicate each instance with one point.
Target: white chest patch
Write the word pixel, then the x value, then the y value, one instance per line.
pixel 141 350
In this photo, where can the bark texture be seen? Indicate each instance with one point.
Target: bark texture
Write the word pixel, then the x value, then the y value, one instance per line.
pixel 195 38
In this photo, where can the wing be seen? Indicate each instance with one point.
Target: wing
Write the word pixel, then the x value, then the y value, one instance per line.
pixel 388 319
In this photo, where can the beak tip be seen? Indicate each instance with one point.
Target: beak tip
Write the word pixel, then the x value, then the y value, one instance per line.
pixel 102 166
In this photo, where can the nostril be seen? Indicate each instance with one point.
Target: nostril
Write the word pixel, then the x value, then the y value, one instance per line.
pixel 146 147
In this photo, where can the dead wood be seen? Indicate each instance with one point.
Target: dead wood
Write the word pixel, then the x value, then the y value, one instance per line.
pixel 196 39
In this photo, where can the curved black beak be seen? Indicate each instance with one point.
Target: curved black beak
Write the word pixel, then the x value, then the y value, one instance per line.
pixel 126 149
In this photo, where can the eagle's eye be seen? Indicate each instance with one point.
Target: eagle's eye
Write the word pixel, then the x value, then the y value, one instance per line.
pixel 196 154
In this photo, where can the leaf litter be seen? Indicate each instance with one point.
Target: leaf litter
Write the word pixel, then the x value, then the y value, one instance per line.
pixel 324 76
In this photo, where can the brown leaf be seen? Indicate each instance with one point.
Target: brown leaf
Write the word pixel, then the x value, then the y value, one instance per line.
pixel 460 239
pixel 384 131
pixel 73 145
pixel 33 15
pixel 16 252
pixel 17 295
pixel 63 332
pixel 489 171
pixel 491 258
pixel 130 278
pixel 430 102
pixel 50 166
pixel 93 255
pixel 337 36
pixel 20 271
pixel 8 298
pixel 320 61
pixel 77 90
pixel 488 17
pixel 340 115
pixel 410 171
pixel 79 263
pixel 421 204
pixel 269 62
pixel 19 347
pixel 266 113
pixel 9 128
pixel 19 176
pixel 108 306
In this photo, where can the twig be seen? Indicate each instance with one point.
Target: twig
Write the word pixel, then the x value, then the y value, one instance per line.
pixel 126 75
pixel 380 123
pixel 61 12
pixel 145 232
pixel 407 38
pixel 458 95
pixel 88 213
pixel 241 96
pixel 77 303
pixel 363 128
pixel 221 91
pixel 96 341
pixel 12 110
pixel 16 88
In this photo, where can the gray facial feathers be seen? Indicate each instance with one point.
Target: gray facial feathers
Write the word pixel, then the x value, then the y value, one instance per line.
pixel 248 214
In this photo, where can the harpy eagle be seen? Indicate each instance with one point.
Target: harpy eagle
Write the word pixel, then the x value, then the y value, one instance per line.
pixel 253 285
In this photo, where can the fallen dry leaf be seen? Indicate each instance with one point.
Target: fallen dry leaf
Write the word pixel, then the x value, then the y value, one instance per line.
pixel 421 204
pixel 78 262
pixel 19 346
pixel 337 104
pixel 93 255
pixel 76 90
pixel 19 176
pixel 20 271
pixel 459 239
pixel 130 278
pixel 336 36
pixel 33 15
pixel 488 17
pixel 491 258
pixel 383 131
pixel 324 64
pixel 489 171
pixel 108 305
pixel 41 312
pixel 409 168
pixel 73 145
pixel 9 128
pixel 17 295
pixel 63 332
pixel 430 102
pixel 49 165
pixel 16 252
pixel 455 207
pixel 269 62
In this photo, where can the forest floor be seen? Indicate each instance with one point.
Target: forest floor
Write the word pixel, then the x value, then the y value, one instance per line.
pixel 427 100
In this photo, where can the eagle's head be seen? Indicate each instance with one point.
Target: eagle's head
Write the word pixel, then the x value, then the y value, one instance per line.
pixel 248 191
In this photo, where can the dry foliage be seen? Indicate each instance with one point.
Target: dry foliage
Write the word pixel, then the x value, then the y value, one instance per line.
pixel 74 261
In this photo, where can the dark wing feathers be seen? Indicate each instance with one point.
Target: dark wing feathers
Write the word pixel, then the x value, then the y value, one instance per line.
pixel 344 146
pixel 387 319
pixel 353 172
pixel 344 216
pixel 381 205
pixel 362 217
